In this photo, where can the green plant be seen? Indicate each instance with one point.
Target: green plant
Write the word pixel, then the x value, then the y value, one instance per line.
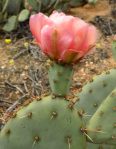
pixel 48 122
pixel 12 12
pixel 54 121
pixel 92 1
pixel 114 49
pixel 104 121
pixel 90 99
pixel 50 115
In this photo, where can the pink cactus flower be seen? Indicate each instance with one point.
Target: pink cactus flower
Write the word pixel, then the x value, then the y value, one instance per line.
pixel 63 38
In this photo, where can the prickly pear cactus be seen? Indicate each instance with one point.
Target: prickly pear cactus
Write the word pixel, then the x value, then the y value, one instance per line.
pixel 22 9
pixel 114 49
pixel 60 79
pixel 13 6
pixel 75 3
pixel 91 97
pixel 102 126
pixel 23 15
pixel 32 5
pixel 11 24
pixel 49 122
pixel 9 14
pixel 43 124
pixel 101 146
pixel 93 94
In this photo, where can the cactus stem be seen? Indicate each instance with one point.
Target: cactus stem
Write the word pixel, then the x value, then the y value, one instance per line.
pixel 60 78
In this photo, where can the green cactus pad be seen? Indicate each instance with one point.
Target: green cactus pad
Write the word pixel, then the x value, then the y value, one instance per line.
pixel 102 126
pixel 44 124
pixel 13 6
pixel 93 93
pixel 101 146
pixel 48 3
pixel 63 6
pixel 23 15
pixel 11 24
pixel 60 78
pixel 114 50
pixel 75 3
pixel 33 4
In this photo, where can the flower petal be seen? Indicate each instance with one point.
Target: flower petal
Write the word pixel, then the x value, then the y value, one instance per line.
pixel 37 22
pixel 49 37
pixel 68 56
pixel 90 39
pixel 64 41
